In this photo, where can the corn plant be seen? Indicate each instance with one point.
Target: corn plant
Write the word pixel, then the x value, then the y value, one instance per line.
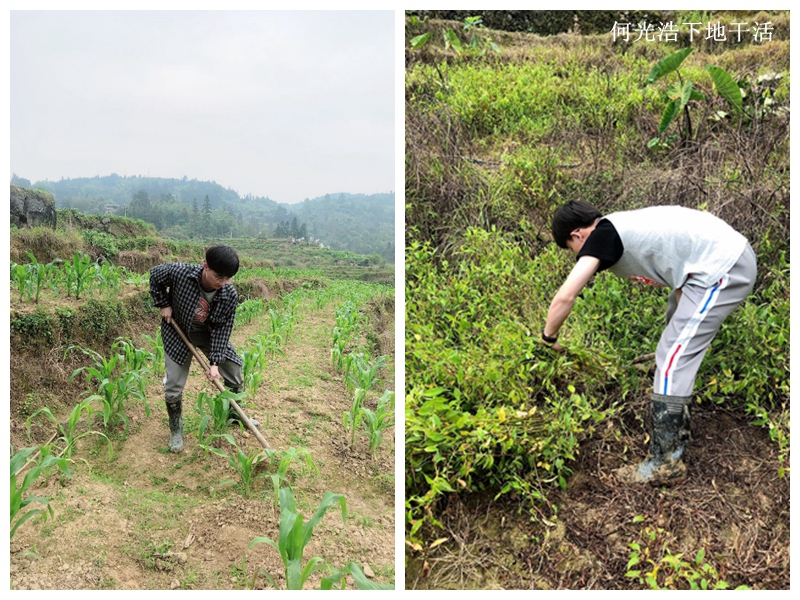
pixel 20 275
pixel 157 352
pixel 382 418
pixel 102 369
pixel 114 395
pixel 19 500
pixel 77 273
pixel 215 411
pixel 108 275
pixel 353 418
pixel 31 278
pixel 354 570
pixel 248 310
pixel 294 535
pixel 135 360
pixel 253 362
pixel 361 373
pixel 338 350
pixel 139 280
pixel 42 274
pixel 244 464
pixel 281 460
pixel 70 433
pixel 281 324
pixel 347 316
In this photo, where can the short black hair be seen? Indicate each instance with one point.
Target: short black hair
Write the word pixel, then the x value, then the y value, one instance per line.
pixel 223 260
pixel 571 216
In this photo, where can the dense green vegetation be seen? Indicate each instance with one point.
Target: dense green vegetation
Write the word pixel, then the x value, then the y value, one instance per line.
pixel 191 209
pixel 495 141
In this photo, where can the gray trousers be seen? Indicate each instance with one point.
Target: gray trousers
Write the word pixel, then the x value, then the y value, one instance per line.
pixel 176 375
pixel 693 322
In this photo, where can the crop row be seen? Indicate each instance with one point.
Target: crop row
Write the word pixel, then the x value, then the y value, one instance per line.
pixel 71 277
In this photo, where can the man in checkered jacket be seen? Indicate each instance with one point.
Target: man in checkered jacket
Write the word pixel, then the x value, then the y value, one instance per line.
pixel 203 303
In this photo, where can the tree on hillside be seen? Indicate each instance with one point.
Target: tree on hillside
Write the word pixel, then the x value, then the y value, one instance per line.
pixel 193 217
pixel 206 223
pixel 20 181
pixel 140 207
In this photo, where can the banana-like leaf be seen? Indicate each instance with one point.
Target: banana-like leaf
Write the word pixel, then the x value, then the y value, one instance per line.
pixel 672 109
pixel 726 87
pixel 697 95
pixel 451 39
pixel 420 40
pixel 686 93
pixel 667 65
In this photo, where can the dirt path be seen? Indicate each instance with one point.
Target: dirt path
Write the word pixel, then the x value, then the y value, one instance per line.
pixel 148 519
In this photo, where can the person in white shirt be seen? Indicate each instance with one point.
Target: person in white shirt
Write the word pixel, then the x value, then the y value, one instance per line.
pixel 711 269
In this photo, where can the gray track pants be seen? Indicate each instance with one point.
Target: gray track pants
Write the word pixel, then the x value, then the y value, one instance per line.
pixel 176 375
pixel 693 322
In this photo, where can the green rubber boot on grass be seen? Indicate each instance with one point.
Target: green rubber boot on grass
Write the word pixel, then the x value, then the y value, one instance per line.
pixel 175 425
pixel 664 464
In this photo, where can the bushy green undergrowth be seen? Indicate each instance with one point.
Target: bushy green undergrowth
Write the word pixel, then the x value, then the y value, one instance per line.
pixel 487 405
pixel 493 145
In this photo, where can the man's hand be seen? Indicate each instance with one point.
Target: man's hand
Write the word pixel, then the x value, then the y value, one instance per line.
pixel 213 372
pixel 166 313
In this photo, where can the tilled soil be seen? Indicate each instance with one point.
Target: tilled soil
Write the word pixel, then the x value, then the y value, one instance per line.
pixel 732 506
pixel 149 519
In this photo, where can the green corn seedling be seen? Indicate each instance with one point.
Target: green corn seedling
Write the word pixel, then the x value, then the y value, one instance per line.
pixel 248 310
pixel 139 280
pixel 19 500
pixel 103 368
pixel 157 353
pixel 352 418
pixel 338 350
pixel 107 275
pixel 284 459
pixel 21 276
pixel 244 464
pixel 69 430
pixel 40 274
pixel 77 273
pixel 215 411
pixel 294 535
pixel 375 422
pixel 114 394
pixel 135 360
pixel 359 372
pixel 253 362
pixel 354 570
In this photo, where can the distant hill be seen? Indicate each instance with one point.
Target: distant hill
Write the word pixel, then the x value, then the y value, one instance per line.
pixel 188 208
pixel 357 222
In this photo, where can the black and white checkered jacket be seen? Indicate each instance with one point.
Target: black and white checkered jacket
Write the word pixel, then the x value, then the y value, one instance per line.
pixel 178 285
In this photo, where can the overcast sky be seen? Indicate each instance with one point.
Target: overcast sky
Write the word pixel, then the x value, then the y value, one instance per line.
pixel 289 105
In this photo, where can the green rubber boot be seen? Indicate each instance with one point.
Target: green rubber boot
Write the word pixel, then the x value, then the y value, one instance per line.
pixel 664 464
pixel 175 425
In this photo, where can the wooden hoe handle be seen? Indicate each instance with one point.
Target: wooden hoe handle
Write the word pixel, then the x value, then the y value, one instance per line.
pixel 220 387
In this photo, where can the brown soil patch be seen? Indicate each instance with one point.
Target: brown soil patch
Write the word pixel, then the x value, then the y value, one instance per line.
pixel 733 505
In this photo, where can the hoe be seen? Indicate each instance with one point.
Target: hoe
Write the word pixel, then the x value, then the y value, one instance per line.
pixel 221 387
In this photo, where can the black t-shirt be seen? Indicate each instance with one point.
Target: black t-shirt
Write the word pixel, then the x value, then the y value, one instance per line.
pixel 603 243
